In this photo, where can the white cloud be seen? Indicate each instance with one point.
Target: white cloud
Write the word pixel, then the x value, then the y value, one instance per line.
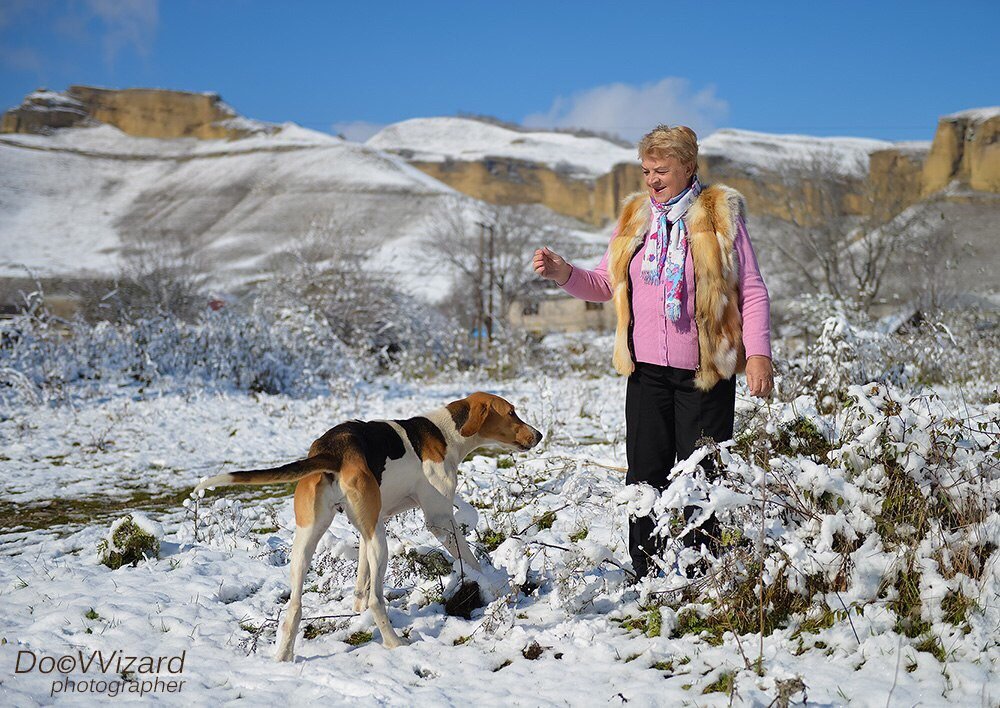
pixel 126 23
pixel 631 111
pixel 115 25
pixel 12 10
pixel 21 59
pixel 357 130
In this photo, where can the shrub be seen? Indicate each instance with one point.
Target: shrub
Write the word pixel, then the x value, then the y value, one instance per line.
pixel 897 510
pixel 129 541
pixel 429 566
pixel 359 638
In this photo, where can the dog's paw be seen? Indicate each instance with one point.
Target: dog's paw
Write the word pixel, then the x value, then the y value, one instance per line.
pixel 493 584
pixel 394 642
pixel 360 604
pixel 284 655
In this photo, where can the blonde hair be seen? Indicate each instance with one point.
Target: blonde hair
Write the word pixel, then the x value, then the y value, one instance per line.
pixel 679 142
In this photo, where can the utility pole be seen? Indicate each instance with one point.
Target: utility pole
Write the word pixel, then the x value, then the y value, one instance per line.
pixel 489 310
pixel 487 279
pixel 480 309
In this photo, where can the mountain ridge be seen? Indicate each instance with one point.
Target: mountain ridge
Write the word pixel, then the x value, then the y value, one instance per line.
pixel 98 193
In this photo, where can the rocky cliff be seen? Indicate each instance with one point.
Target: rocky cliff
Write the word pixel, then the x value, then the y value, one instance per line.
pixel 505 180
pixel 786 177
pixel 967 149
pixel 580 176
pixel 144 113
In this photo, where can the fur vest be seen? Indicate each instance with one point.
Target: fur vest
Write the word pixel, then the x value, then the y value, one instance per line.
pixel 712 227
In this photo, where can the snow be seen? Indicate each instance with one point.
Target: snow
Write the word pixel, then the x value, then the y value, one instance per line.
pixel 766 152
pixel 90 190
pixel 976 115
pixel 153 528
pixel 213 594
pixel 467 140
pixel 72 466
pixel 913 147
pixel 97 192
pixel 51 99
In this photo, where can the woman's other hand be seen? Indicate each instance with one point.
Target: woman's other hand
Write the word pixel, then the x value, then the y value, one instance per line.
pixel 552 266
pixel 760 376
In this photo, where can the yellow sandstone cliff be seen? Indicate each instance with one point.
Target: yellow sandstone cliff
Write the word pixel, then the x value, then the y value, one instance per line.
pixel 144 113
pixel 966 148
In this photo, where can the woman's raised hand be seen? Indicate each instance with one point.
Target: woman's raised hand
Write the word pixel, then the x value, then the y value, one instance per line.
pixel 552 266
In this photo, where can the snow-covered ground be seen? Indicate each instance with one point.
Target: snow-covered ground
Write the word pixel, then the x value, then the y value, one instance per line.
pixel 562 627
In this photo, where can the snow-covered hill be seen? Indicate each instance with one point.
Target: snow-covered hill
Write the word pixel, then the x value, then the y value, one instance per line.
pixel 466 139
pixel 75 201
pixel 767 152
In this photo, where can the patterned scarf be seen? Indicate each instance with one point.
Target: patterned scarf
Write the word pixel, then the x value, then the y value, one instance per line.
pixel 663 261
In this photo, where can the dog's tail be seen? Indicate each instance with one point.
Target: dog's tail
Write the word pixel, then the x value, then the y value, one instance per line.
pixel 292 472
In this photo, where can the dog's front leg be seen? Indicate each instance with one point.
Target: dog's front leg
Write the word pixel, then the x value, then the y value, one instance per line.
pixel 436 501
pixel 451 537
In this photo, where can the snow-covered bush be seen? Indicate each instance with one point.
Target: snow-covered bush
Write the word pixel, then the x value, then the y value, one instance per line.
pixel 326 274
pixel 889 509
pixel 288 351
pixel 130 539
pixel 267 344
pixel 828 346
pixel 227 523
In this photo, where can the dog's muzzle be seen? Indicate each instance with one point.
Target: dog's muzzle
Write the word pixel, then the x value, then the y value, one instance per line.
pixel 533 439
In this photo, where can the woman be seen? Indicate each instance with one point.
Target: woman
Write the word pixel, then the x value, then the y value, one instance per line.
pixel 692 311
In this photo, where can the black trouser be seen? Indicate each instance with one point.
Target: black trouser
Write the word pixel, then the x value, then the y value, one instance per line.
pixel 665 415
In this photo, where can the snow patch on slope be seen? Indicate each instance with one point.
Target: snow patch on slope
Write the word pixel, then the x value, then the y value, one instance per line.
pixel 976 115
pixel 466 140
pixel 766 152
pixel 73 201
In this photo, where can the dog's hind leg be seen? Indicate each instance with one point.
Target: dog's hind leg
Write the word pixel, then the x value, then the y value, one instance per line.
pixel 364 504
pixel 364 577
pixel 315 508
pixel 378 559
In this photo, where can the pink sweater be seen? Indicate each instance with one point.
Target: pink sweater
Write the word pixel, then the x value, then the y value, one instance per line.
pixel 657 339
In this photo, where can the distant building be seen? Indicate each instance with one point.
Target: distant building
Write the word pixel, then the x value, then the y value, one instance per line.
pixel 546 310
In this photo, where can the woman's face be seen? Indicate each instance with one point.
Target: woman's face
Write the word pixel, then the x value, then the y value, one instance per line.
pixel 666 177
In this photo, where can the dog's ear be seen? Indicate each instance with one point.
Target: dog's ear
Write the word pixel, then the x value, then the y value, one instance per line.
pixel 479 407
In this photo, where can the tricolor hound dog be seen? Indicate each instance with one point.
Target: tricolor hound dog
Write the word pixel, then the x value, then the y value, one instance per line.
pixel 373 470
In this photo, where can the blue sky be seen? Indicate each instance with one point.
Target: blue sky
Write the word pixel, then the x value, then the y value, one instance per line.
pixel 870 69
